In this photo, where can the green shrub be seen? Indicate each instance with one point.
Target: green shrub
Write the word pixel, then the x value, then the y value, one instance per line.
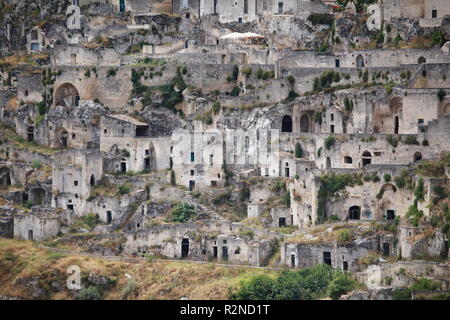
pixel 392 141
pixel 247 72
pixel 341 284
pixel 182 212
pixel 91 220
pixel 387 177
pixel 321 18
pixel 235 91
pixel 344 235
pixel 36 164
pixel 328 142
pixel 298 150
pixel 90 293
pixel 264 75
pixel 411 140
pixel 123 190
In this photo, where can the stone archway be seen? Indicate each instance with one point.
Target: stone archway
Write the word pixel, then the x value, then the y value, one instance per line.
pixel 36 196
pixel 354 213
pixel 360 61
pixel 304 123
pixel 67 95
pixel 5 177
pixel 444 110
pixel 417 156
pixel 286 124
pixel 366 158
pixel 61 137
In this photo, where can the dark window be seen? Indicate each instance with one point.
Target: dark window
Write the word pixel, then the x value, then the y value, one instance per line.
pixel 293 260
pixel 286 124
pixel 386 249
pixel 434 13
pixel 390 215
pixel 184 248
pixel 282 222
pixel 337 63
pixel 354 213
pixel 344 265
pixel 327 257
pixel 225 253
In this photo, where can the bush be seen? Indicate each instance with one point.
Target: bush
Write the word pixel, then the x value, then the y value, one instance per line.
pixel 411 140
pixel 387 177
pixel 298 150
pixel 328 142
pixel 182 212
pixel 235 91
pixel 247 72
pixel 90 293
pixel 340 285
pixel 264 75
pixel 216 107
pixel 321 18
pixel 392 141
pixel 344 235
pixel 123 190
pixel 305 284
pixel 257 288
pixel 36 164
pixel 91 220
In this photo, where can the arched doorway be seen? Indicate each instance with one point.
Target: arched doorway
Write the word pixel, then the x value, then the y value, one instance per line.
pixel 421 60
pixel 5 177
pixel 184 248
pixel 360 61
pixel 92 181
pixel 445 110
pixel 304 123
pixel 286 124
pixel 417 156
pixel 62 137
pixel 354 213
pixel 67 95
pixel 36 196
pixel 366 158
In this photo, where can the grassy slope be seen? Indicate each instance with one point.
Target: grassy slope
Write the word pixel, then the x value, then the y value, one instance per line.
pixel 156 280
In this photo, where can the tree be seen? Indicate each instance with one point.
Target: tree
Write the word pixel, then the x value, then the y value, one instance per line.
pixel 340 285
pixel 359 4
pixel 298 150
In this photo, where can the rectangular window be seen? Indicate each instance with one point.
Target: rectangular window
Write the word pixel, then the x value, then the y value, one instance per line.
pixel 245 6
pixel 75 183
pixel 434 13
pixel 192 156
pixel 280 7
pixel 337 63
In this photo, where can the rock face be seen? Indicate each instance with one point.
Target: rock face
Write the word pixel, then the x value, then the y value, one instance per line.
pixel 382 294
pixel 445 28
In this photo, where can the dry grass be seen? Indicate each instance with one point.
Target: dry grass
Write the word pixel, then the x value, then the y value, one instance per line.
pixel 155 280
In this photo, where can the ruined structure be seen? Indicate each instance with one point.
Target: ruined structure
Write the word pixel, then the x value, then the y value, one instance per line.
pixel 229 130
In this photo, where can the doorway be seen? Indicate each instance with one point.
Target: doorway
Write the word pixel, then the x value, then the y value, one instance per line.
pixel 225 253
pixel 184 248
